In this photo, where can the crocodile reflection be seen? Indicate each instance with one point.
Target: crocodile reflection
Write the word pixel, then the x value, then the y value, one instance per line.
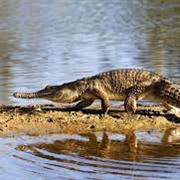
pixel 128 149
pixel 171 135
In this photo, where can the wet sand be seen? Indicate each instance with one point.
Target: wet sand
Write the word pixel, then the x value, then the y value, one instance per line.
pixel 49 119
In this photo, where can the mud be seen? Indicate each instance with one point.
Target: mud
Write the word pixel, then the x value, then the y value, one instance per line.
pixel 49 119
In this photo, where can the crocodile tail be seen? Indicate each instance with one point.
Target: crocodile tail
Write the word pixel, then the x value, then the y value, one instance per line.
pixel 169 91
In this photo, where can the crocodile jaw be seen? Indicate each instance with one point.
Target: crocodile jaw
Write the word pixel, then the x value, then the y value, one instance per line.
pixel 33 95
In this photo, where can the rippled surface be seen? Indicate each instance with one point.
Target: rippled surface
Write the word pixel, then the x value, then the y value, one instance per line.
pixel 139 155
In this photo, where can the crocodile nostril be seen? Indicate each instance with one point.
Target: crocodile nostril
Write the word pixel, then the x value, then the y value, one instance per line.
pixel 15 94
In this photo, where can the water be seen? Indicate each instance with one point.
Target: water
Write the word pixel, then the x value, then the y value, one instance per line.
pixel 51 42
pixel 90 156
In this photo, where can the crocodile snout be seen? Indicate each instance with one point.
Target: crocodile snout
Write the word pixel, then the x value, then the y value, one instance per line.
pixel 16 95
pixel 24 95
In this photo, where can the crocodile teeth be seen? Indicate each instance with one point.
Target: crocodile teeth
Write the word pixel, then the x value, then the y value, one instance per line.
pixel 24 95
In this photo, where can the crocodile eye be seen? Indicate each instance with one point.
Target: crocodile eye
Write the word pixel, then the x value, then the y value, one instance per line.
pixel 48 87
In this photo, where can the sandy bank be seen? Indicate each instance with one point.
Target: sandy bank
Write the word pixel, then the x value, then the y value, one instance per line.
pixel 48 119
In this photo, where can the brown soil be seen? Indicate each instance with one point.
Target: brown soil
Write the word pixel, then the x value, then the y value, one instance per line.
pixel 48 119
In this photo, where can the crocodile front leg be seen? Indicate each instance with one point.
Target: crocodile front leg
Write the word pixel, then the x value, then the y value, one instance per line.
pixel 104 99
pixel 82 104
pixel 90 96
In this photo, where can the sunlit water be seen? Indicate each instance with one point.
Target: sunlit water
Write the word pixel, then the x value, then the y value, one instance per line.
pixel 91 156
pixel 55 41
pixel 50 42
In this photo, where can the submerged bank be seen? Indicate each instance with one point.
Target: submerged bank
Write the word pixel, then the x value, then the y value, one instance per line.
pixel 49 119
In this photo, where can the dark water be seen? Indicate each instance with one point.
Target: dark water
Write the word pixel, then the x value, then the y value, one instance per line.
pixel 139 155
pixel 55 41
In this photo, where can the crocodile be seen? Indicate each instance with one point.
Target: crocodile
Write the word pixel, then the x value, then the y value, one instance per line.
pixel 128 85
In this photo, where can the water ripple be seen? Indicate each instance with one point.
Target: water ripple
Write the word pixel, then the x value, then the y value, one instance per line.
pixel 90 156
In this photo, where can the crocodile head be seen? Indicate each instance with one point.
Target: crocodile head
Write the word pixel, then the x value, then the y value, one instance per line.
pixel 60 93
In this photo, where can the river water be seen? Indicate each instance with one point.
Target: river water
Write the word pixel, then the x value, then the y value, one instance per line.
pixel 55 41
pixel 90 156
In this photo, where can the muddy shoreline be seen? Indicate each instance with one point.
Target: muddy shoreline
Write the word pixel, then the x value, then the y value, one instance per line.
pixel 50 119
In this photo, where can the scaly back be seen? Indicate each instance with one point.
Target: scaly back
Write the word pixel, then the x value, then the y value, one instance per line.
pixel 122 79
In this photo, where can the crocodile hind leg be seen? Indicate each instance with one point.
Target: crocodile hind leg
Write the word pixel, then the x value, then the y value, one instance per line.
pixel 130 104
pixel 170 108
pixel 133 95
